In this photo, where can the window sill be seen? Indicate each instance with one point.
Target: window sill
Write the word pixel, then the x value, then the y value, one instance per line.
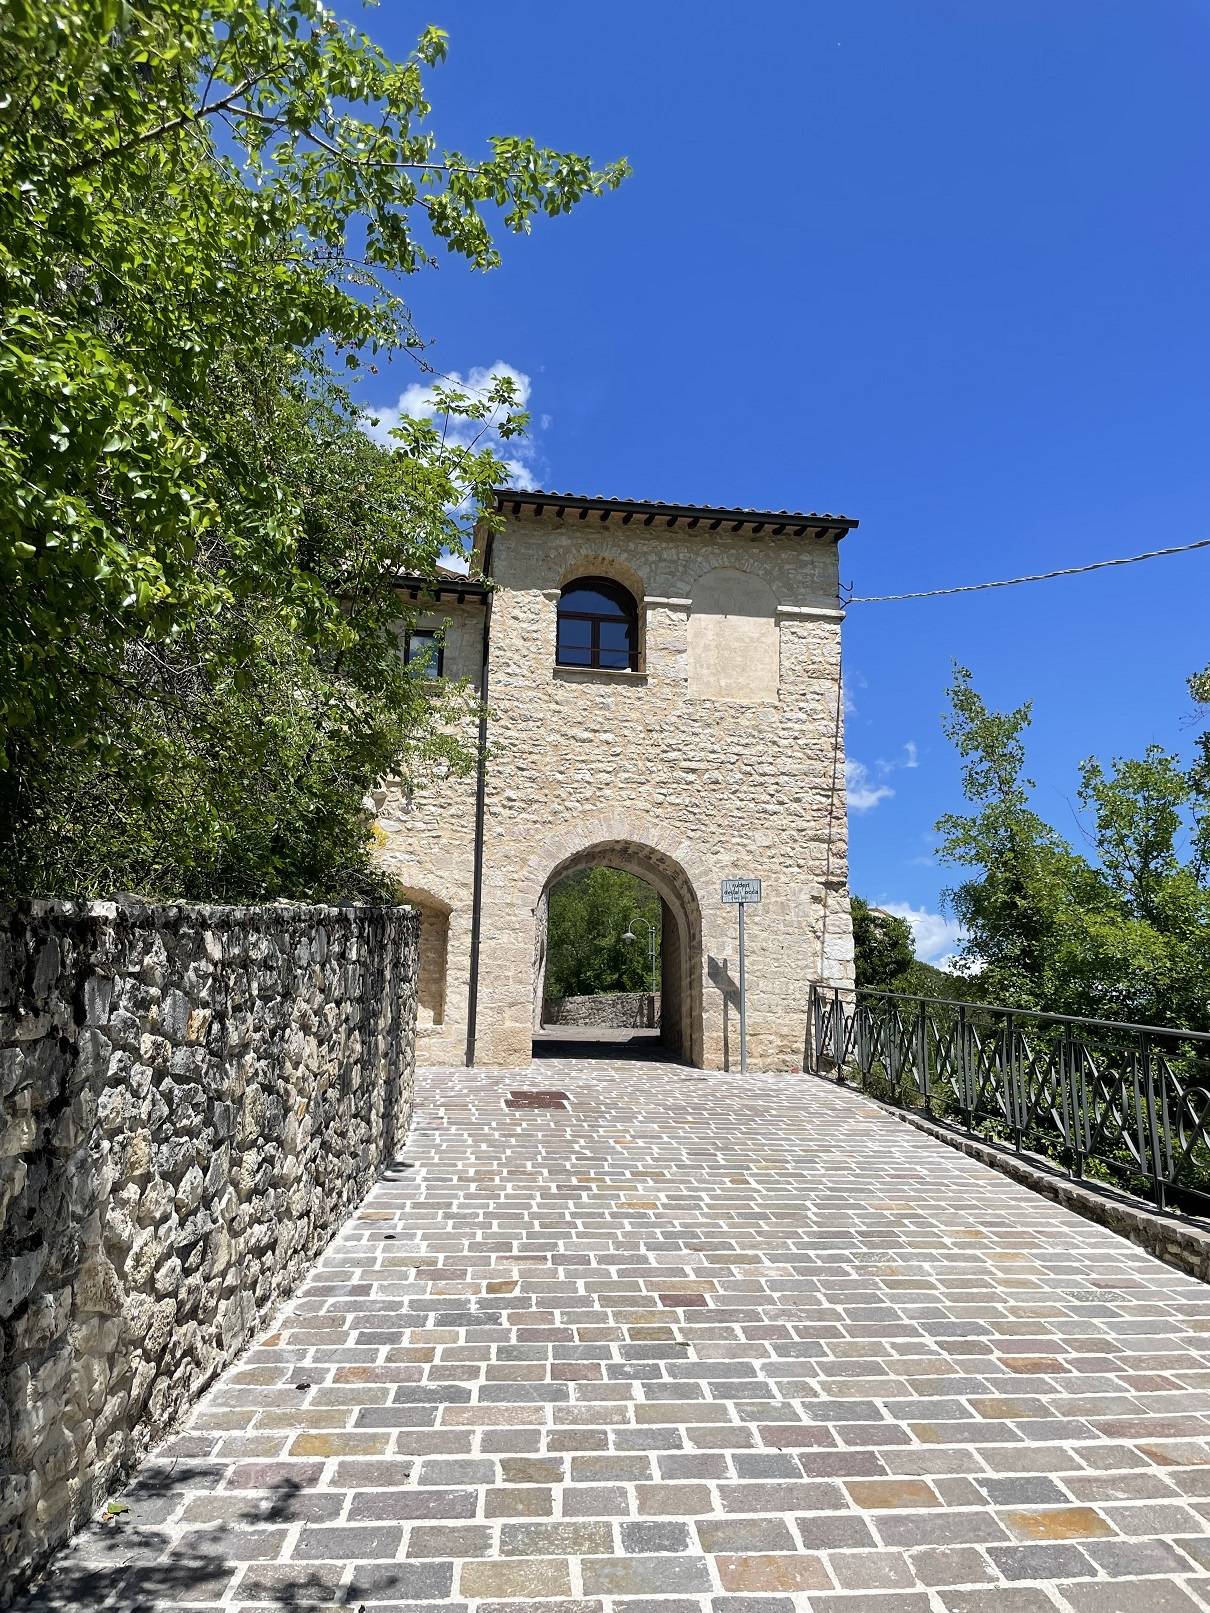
pixel 598 674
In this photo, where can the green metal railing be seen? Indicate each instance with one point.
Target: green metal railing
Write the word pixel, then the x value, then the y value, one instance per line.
pixel 1119 1104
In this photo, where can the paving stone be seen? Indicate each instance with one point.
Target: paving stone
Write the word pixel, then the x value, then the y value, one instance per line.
pixel 1050 1562
pixel 346 1544
pixel 743 1535
pixel 1001 1599
pixel 938 1528
pixel 1056 1523
pixel 746 1604
pixel 575 1605
pixel 1120 1558
pixel 674 1500
pixel 871 1570
pixel 951 1565
pixel 763 1572
pixel 835 1364
pixel 873 1602
pixel 834 1530
pixel 445 1541
pixel 645 1576
pixel 412 1582
pixel 556 1539
pixel 660 1535
pixel 537 1577
pixel 1131 1596
pixel 371 1504
pixel 874 1495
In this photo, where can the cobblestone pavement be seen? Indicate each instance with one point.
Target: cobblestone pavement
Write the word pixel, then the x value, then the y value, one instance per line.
pixel 689 1342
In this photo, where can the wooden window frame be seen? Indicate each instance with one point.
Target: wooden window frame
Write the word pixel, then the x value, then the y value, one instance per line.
pixel 436 667
pixel 630 615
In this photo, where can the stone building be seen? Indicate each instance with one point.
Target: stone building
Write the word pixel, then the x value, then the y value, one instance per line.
pixel 664 690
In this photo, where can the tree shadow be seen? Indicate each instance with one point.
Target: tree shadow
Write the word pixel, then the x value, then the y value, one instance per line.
pixel 137 1567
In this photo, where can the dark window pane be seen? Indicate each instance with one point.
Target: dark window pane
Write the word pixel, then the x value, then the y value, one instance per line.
pixel 574 631
pixel 597 604
pixel 423 647
pixel 597 624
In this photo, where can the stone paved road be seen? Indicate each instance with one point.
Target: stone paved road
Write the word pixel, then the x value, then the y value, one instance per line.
pixel 690 1342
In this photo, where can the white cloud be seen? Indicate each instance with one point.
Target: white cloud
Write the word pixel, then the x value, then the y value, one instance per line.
pixel 863 793
pixel 417 402
pixel 909 759
pixel 852 680
pixel 456 561
pixel 933 935
pixel 959 963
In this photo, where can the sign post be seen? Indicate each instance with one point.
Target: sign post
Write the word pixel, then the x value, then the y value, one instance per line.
pixel 738 893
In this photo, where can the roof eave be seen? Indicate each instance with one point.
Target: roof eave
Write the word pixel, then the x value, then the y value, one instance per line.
pixel 438 588
pixel 707 518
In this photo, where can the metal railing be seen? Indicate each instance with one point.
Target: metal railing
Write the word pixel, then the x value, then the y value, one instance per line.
pixel 1127 1105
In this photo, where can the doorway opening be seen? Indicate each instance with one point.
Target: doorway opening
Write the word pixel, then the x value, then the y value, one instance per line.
pixel 617 958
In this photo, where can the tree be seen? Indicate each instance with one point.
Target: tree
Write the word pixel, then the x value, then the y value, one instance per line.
pixel 204 209
pixel 883 947
pixel 589 914
pixel 1124 937
pixel 1137 809
pixel 1010 910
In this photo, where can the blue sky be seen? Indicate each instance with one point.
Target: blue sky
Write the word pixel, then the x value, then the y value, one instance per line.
pixel 941 266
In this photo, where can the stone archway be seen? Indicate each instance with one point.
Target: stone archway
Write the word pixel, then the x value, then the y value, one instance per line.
pixel 681 941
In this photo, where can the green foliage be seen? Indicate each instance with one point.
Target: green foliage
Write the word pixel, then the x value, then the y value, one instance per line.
pixel 1124 937
pixel 885 960
pixel 589 914
pixel 926 980
pixel 204 209
pixel 883 947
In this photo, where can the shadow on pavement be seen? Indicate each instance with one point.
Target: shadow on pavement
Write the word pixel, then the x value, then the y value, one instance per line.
pixel 136 1567
pixel 618 1047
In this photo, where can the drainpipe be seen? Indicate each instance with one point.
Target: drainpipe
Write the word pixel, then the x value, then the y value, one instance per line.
pixel 472 1001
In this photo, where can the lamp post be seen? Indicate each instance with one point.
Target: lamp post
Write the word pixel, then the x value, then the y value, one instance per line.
pixel 631 936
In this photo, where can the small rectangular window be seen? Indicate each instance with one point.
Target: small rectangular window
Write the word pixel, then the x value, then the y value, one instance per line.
pixel 424 646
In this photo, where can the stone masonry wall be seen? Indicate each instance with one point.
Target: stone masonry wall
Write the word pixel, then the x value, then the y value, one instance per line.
pixel 193 1100
pixel 616 1010
pixel 722 754
pixel 643 760
pixel 439 881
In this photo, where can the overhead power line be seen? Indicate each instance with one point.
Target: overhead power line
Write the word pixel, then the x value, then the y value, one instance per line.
pixel 1038 576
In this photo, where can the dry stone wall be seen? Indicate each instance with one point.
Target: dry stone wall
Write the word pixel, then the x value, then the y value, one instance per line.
pixel 193 1100
pixel 613 1010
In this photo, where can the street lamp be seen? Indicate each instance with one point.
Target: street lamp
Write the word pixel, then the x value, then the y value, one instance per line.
pixel 651 933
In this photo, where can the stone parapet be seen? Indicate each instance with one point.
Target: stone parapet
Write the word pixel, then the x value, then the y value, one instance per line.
pixel 193 1101
pixel 613 1010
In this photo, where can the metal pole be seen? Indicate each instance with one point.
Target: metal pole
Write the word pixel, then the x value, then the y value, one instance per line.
pixel 743 999
pixel 651 938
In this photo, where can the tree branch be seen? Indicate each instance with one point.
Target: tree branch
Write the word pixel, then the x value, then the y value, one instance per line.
pixel 182 120
pixel 348 156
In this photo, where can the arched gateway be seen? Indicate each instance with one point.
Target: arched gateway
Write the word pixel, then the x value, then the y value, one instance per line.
pixel 664 684
pixel 681 940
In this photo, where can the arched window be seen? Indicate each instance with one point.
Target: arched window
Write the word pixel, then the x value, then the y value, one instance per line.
pixel 598 625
